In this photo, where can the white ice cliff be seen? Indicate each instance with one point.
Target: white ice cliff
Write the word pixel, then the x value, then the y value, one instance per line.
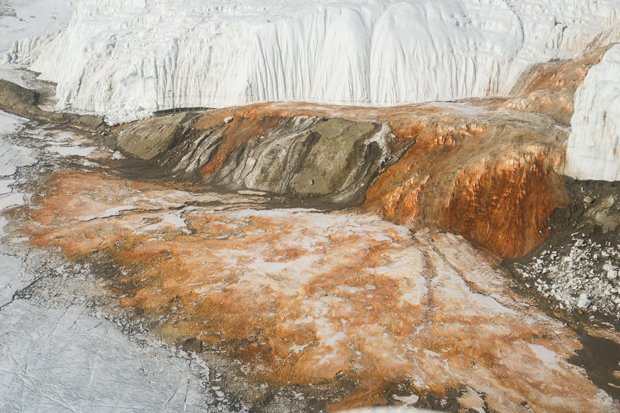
pixel 123 56
pixel 594 144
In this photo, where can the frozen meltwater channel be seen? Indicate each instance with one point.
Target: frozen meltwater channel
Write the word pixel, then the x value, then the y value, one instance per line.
pixel 160 54
pixel 59 356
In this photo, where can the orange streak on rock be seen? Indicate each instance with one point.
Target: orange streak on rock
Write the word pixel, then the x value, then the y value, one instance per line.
pixel 505 205
pixel 236 134
pixel 493 181
pixel 550 88
pixel 460 159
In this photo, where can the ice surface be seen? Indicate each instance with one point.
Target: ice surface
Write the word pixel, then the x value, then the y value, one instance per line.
pixel 31 18
pixel 594 144
pixel 12 156
pixel 12 277
pixel 21 19
pixel 66 360
pixel 124 57
pixel 9 123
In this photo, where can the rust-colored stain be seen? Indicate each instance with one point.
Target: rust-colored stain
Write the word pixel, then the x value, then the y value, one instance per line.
pixel 455 167
pixel 236 134
pixel 494 182
pixel 303 297
pixel 505 206
pixel 549 88
pixel 488 169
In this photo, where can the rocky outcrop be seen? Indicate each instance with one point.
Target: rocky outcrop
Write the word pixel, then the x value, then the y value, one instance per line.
pixel 492 177
pixel 152 137
pixel 300 156
pixel 481 171
pixel 24 102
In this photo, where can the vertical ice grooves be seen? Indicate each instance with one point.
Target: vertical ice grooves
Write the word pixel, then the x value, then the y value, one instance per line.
pixel 121 57
pixel 594 144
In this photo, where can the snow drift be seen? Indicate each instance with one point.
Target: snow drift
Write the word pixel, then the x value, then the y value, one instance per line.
pixel 126 56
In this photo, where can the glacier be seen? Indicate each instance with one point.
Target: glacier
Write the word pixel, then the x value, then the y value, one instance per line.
pixel 594 144
pixel 21 19
pixel 123 57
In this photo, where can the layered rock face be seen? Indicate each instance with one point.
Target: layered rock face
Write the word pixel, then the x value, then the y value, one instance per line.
pixel 293 155
pixel 493 180
pixel 125 57
pixel 594 144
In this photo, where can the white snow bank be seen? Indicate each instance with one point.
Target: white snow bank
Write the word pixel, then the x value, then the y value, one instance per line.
pixel 594 144
pixel 9 123
pixel 122 57
pixel 11 157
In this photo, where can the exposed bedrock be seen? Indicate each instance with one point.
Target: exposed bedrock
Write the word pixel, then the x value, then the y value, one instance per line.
pixel 152 137
pixel 297 155
pixel 485 172
pixel 495 182
pixel 24 102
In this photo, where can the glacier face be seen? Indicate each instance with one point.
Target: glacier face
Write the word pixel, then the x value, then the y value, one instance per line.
pixel 594 144
pixel 126 56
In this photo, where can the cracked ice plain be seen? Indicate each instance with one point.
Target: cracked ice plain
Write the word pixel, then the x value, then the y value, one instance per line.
pixel 12 275
pixel 65 360
pixel 150 55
